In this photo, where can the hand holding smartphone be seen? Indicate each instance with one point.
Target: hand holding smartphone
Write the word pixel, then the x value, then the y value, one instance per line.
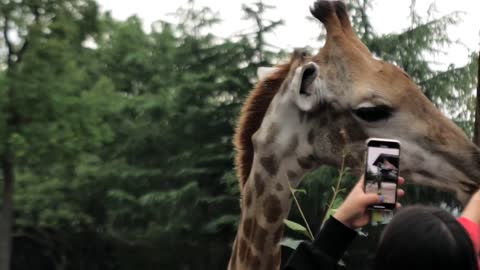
pixel 381 171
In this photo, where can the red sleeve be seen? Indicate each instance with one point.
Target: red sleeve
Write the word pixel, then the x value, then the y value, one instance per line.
pixel 473 231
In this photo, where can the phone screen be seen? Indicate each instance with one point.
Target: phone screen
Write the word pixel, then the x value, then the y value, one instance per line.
pixel 381 175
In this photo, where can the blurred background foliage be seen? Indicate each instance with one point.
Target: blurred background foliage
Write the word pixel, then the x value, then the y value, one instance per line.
pixel 117 141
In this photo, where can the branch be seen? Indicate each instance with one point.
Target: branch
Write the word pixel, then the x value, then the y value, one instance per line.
pixel 11 50
pixel 441 74
pixel 337 189
pixel 365 24
pixel 309 231
pixel 21 52
pixel 8 43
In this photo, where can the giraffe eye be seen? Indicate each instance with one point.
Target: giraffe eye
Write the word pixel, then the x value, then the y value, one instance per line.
pixel 372 114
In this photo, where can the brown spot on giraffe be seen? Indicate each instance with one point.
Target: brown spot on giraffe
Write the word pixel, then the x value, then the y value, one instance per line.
pixel 279 187
pixel 248 228
pixel 277 256
pixel 311 137
pixel 255 263
pixel 420 158
pixel 272 133
pixel 272 208
pixel 336 139
pixel 352 161
pixel 302 116
pixel 260 238
pixel 292 146
pixel 259 184
pixel 242 249
pixel 249 255
pixel 273 260
pixel 307 162
pixel 270 164
pixel 355 132
pixel 248 199
pixel 292 175
pixel 278 234
pixel 270 264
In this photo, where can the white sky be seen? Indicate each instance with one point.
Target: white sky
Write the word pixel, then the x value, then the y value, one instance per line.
pixel 387 16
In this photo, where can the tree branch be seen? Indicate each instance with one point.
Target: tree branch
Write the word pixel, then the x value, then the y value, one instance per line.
pixel 8 43
pixel 21 52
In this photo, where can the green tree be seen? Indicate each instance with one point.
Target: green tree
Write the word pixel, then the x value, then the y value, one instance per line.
pixel 256 13
pixel 46 116
pixel 167 177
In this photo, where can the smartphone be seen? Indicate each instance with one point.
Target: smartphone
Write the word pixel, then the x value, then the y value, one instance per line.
pixel 381 171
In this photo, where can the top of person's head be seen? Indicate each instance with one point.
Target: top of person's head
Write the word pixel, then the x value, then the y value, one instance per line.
pixel 423 237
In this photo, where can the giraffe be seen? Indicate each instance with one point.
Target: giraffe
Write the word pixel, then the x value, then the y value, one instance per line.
pixel 304 113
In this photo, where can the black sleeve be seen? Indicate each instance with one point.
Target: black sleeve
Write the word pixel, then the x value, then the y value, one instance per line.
pixel 328 247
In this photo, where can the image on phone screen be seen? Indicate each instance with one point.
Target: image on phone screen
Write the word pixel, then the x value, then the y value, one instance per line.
pixel 382 172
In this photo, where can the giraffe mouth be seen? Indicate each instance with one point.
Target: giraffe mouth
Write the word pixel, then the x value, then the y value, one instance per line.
pixel 310 73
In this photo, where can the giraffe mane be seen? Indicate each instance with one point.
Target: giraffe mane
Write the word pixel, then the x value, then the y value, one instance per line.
pixel 253 111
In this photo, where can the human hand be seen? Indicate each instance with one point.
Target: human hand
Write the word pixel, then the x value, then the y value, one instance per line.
pixel 353 211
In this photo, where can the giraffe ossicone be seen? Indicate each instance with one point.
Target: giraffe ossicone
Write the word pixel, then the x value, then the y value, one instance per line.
pixel 307 112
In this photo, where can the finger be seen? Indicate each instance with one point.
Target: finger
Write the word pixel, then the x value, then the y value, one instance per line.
pixel 398 205
pixel 401 180
pixel 358 188
pixel 400 192
pixel 360 181
pixel 371 198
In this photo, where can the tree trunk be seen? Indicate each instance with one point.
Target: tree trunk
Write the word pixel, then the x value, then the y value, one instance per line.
pixel 476 128
pixel 6 216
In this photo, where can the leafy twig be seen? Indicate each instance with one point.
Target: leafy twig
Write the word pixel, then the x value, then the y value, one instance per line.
pixel 337 189
pixel 310 234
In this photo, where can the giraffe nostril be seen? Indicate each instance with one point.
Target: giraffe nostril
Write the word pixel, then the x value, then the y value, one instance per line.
pixel 309 74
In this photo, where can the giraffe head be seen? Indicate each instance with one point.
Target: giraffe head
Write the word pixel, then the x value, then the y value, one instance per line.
pixel 324 105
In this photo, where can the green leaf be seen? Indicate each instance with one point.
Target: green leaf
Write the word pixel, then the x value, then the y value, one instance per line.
pixel 336 204
pixel 290 242
pixel 296 227
pixel 304 191
pixel 338 201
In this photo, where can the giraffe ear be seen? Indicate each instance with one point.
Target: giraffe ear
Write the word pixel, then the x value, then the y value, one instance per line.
pixel 264 72
pixel 305 86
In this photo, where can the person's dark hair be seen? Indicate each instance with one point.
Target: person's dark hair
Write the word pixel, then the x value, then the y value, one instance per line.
pixel 422 237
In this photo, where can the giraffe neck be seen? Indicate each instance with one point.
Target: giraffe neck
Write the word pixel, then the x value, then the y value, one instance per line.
pixel 265 204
